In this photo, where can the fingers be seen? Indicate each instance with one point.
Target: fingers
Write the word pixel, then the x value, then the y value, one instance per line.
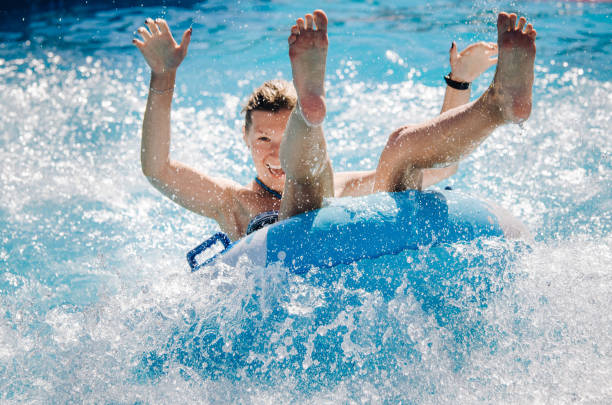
pixel 159 27
pixel 186 39
pixel 152 26
pixel 491 49
pixel 484 47
pixel 478 48
pixel 163 26
pixel 144 33
pixel 492 61
pixel 139 44
pixel 453 54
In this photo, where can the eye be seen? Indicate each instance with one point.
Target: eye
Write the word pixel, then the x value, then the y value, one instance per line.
pixel 263 139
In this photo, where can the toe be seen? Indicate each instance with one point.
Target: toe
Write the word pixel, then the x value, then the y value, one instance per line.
pixel 512 21
pixel 521 23
pixel 529 29
pixel 295 30
pixel 321 20
pixel 503 22
pixel 309 22
pixel 292 38
pixel 300 24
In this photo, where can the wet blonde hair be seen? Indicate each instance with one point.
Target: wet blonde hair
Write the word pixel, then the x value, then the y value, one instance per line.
pixel 273 95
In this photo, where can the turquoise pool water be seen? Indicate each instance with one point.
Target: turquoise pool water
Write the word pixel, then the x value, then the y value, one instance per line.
pixel 97 302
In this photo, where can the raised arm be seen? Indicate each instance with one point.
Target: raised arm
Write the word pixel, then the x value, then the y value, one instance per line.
pixel 466 66
pixel 454 134
pixel 184 185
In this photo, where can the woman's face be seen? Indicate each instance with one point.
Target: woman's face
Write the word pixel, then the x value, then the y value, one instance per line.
pixel 263 139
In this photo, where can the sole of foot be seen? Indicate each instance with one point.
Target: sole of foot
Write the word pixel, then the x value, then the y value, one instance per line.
pixel 513 80
pixel 308 53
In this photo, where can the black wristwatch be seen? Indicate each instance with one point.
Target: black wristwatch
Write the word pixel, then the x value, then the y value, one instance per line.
pixel 455 84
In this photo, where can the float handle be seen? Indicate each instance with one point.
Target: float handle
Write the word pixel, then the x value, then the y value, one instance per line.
pixel 191 255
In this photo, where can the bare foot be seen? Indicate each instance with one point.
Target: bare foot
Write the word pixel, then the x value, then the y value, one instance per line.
pixel 513 80
pixel 308 53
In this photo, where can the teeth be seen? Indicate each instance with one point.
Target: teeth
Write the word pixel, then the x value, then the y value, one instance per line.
pixel 274 167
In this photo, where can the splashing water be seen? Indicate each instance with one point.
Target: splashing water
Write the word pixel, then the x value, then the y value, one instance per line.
pixel 96 299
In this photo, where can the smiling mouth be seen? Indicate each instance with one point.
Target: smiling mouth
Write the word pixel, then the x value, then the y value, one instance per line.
pixel 276 171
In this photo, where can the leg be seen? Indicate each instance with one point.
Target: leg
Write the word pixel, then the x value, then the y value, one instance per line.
pixel 452 135
pixel 303 152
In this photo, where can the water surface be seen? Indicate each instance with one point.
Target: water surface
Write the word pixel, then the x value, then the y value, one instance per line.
pixel 96 299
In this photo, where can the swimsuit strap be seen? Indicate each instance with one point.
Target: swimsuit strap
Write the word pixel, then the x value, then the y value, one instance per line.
pixel 274 193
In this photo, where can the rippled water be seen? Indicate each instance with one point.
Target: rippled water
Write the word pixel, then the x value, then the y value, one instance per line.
pixel 97 301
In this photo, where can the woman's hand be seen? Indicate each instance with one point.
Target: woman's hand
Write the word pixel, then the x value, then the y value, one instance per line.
pixel 470 63
pixel 159 48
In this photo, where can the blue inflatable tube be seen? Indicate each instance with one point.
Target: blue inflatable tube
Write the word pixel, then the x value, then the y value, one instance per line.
pixel 348 230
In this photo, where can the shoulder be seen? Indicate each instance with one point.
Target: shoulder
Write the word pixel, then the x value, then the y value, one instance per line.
pixel 238 198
